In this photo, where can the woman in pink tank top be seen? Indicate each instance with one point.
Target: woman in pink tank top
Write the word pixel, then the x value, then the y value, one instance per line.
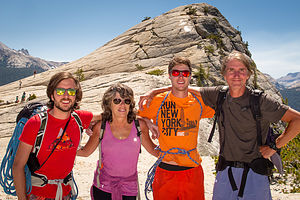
pixel 116 175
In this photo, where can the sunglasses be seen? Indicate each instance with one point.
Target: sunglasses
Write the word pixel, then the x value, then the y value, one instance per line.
pixel 118 101
pixel 185 73
pixel 61 91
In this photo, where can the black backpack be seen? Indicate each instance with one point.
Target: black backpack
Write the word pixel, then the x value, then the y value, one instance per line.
pixel 29 110
pixel 260 165
pixel 255 109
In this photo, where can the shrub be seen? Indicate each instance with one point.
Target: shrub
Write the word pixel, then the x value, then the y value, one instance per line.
pixel 146 18
pixel 209 49
pixel 156 72
pixel 191 10
pixel 291 163
pixel 205 10
pixel 200 76
pixel 246 44
pixel 79 74
pixel 31 97
pixel 139 67
pixel 255 85
pixel 217 39
pixel 216 19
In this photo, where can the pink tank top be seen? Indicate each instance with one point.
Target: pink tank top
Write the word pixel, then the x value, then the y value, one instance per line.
pixel 119 159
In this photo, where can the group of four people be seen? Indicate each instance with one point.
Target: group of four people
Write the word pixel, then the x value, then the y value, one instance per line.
pixel 173 116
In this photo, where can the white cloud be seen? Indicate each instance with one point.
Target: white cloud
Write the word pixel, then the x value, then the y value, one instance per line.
pixel 276 55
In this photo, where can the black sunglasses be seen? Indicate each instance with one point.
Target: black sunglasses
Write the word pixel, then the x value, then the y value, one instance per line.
pixel 118 101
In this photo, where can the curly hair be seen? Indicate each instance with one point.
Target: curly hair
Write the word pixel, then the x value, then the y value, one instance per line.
pixel 110 93
pixel 55 80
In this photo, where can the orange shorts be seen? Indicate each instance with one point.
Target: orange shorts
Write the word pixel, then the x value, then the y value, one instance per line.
pixel 179 185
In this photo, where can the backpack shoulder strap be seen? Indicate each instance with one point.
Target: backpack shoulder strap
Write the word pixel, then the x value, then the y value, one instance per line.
pixel 139 131
pixel 220 100
pixel 255 109
pixel 79 123
pixel 102 130
pixel 39 138
pixel 138 128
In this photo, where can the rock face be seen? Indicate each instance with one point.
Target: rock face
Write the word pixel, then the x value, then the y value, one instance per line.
pixel 198 31
pixel 15 65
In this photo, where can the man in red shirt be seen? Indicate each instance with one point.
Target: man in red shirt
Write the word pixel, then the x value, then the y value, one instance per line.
pixel 59 144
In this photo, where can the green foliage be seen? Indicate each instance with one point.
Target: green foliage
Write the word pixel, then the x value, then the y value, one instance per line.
pixel 31 97
pixel 200 76
pixel 246 44
pixel 139 67
pixel 209 49
pixel 205 10
pixel 255 85
pixel 285 101
pixel 146 18
pixel 217 39
pixel 79 74
pixel 216 19
pixel 293 96
pixel 1 101
pixel 190 10
pixel 156 72
pixel 291 164
pixel 238 30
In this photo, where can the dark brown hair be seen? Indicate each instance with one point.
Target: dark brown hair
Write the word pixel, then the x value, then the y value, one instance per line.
pixel 110 93
pixel 177 61
pixel 55 80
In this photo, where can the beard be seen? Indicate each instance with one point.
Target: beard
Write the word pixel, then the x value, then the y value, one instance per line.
pixel 59 106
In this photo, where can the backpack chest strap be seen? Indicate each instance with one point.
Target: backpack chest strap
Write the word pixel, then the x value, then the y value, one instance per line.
pixel 39 180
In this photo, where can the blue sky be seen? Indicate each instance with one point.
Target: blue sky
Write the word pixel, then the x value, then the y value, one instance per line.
pixel 66 30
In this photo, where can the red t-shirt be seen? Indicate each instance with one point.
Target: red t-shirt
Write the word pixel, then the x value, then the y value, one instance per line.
pixel 61 162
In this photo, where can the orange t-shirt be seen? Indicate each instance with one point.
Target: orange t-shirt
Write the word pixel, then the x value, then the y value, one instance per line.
pixel 178 123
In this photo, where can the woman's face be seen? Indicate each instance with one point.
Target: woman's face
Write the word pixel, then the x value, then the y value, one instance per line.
pixel 119 106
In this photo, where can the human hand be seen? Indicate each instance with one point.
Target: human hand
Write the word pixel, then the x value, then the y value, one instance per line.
pixel 145 99
pixel 154 129
pixel 266 151
pixel 89 130
pixel 155 132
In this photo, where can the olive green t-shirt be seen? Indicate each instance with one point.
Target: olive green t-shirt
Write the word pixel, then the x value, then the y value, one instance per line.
pixel 237 126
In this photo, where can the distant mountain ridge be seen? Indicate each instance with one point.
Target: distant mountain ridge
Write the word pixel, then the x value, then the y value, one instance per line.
pixel 291 80
pixel 18 64
pixel 197 31
pixel 289 87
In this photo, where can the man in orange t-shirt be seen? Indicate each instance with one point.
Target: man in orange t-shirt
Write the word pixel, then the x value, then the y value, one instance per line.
pixel 177 114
